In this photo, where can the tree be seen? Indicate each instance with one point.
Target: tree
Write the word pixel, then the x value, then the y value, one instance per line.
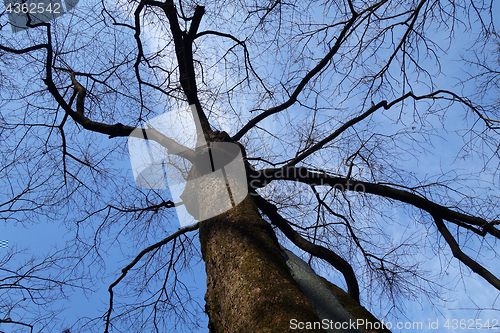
pixel 334 105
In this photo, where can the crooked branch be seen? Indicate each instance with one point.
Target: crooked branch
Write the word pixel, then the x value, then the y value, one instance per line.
pixel 316 250
pixel 383 104
pixel 304 175
pixel 81 93
pixel 136 260
pixel 116 130
pixel 302 84
pixel 465 259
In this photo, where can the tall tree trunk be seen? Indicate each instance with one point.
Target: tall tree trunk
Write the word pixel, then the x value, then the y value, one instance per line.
pixel 249 287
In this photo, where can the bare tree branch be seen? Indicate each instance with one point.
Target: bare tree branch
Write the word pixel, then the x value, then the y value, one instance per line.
pixel 293 98
pixel 136 260
pixel 465 259
pixel 316 250
pixel 303 175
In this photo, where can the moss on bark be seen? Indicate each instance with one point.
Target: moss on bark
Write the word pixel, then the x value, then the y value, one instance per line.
pixel 249 287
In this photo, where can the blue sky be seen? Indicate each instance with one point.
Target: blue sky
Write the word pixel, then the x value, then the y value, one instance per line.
pixel 467 292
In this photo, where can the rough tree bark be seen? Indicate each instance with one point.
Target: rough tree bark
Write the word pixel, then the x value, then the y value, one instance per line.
pixel 249 287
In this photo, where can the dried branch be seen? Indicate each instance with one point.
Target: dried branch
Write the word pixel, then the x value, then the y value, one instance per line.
pixel 303 175
pixel 465 259
pixel 293 97
pixel 116 130
pixel 136 260
pixel 316 250
pixel 383 104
